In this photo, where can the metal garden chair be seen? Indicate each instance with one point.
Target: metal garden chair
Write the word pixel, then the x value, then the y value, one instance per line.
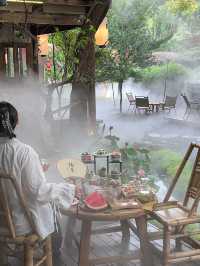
pixel 142 103
pixel 170 103
pixel 190 106
pixel 12 245
pixel 131 100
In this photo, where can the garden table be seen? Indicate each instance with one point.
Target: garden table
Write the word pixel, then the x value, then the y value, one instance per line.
pixel 155 106
pixel 122 216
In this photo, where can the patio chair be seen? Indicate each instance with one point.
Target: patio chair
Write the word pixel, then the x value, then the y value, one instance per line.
pixel 190 106
pixel 142 103
pixel 131 100
pixel 175 216
pixel 170 103
pixel 12 245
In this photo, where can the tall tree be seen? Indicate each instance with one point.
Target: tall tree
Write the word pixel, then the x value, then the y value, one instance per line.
pixel 134 31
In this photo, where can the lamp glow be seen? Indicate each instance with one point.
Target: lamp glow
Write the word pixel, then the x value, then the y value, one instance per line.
pixel 101 36
pixel 43 44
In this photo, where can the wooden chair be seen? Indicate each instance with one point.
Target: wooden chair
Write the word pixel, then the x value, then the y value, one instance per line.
pixel 35 251
pixel 175 216
pixel 131 100
pixel 170 103
pixel 142 103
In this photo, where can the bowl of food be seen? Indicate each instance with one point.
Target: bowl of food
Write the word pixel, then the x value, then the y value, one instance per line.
pixel 86 157
pixel 115 156
pixel 101 152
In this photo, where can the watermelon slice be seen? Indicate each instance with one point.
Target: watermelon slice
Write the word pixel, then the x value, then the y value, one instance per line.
pixel 95 201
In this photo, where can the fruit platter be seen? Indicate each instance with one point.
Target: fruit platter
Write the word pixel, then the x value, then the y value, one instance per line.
pixel 95 201
pixel 140 191
pixel 115 156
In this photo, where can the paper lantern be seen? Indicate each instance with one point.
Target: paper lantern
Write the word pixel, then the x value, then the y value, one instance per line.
pixel 43 44
pixel 101 36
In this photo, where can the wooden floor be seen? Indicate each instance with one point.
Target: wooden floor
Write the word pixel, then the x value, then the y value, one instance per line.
pixel 109 245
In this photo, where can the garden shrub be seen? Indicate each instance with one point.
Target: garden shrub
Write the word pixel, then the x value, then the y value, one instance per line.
pixel 159 72
pixel 165 163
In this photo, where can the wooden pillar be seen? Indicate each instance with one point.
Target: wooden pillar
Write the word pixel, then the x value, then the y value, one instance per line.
pixel 16 61
pixel 21 63
pixel 29 58
pixel 9 63
pixel 2 62
pixel 35 58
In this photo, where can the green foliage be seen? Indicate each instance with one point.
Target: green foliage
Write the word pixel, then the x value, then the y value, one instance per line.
pixel 165 162
pixel 135 29
pixel 65 43
pixel 135 158
pixel 184 7
pixel 159 72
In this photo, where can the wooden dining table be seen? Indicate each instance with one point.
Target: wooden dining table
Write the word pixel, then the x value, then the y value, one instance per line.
pixel 123 217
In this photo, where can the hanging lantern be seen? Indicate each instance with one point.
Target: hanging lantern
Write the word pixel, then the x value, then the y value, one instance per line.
pixel 43 44
pixel 101 36
pixel 3 2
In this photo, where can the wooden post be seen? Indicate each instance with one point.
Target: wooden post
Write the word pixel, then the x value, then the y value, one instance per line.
pixel 35 58
pixel 146 255
pixel 21 63
pixel 166 246
pixel 85 243
pixel 125 236
pixel 16 61
pixel 9 63
pixel 29 58
pixel 48 251
pixel 28 255
pixel 2 62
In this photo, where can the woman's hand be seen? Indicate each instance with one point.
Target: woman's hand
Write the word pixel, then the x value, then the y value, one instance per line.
pixel 78 192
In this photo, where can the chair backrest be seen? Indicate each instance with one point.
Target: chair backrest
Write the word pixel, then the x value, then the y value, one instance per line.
pixel 130 97
pixel 170 101
pixel 193 189
pixel 141 101
pixel 185 98
pixel 7 227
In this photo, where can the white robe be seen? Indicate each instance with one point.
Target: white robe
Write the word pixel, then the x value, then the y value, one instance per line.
pixel 23 163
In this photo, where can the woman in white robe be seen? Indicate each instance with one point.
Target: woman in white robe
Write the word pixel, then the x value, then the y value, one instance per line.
pixel 23 163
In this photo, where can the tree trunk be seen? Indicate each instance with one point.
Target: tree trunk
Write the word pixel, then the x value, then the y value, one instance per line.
pixel 120 87
pixel 82 101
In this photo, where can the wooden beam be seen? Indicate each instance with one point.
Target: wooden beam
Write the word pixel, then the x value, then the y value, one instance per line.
pixel 64 9
pixel 71 2
pixel 41 19
pixel 16 7
pixel 99 11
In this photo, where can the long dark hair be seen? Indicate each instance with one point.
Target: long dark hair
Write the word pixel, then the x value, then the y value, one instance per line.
pixel 8 120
